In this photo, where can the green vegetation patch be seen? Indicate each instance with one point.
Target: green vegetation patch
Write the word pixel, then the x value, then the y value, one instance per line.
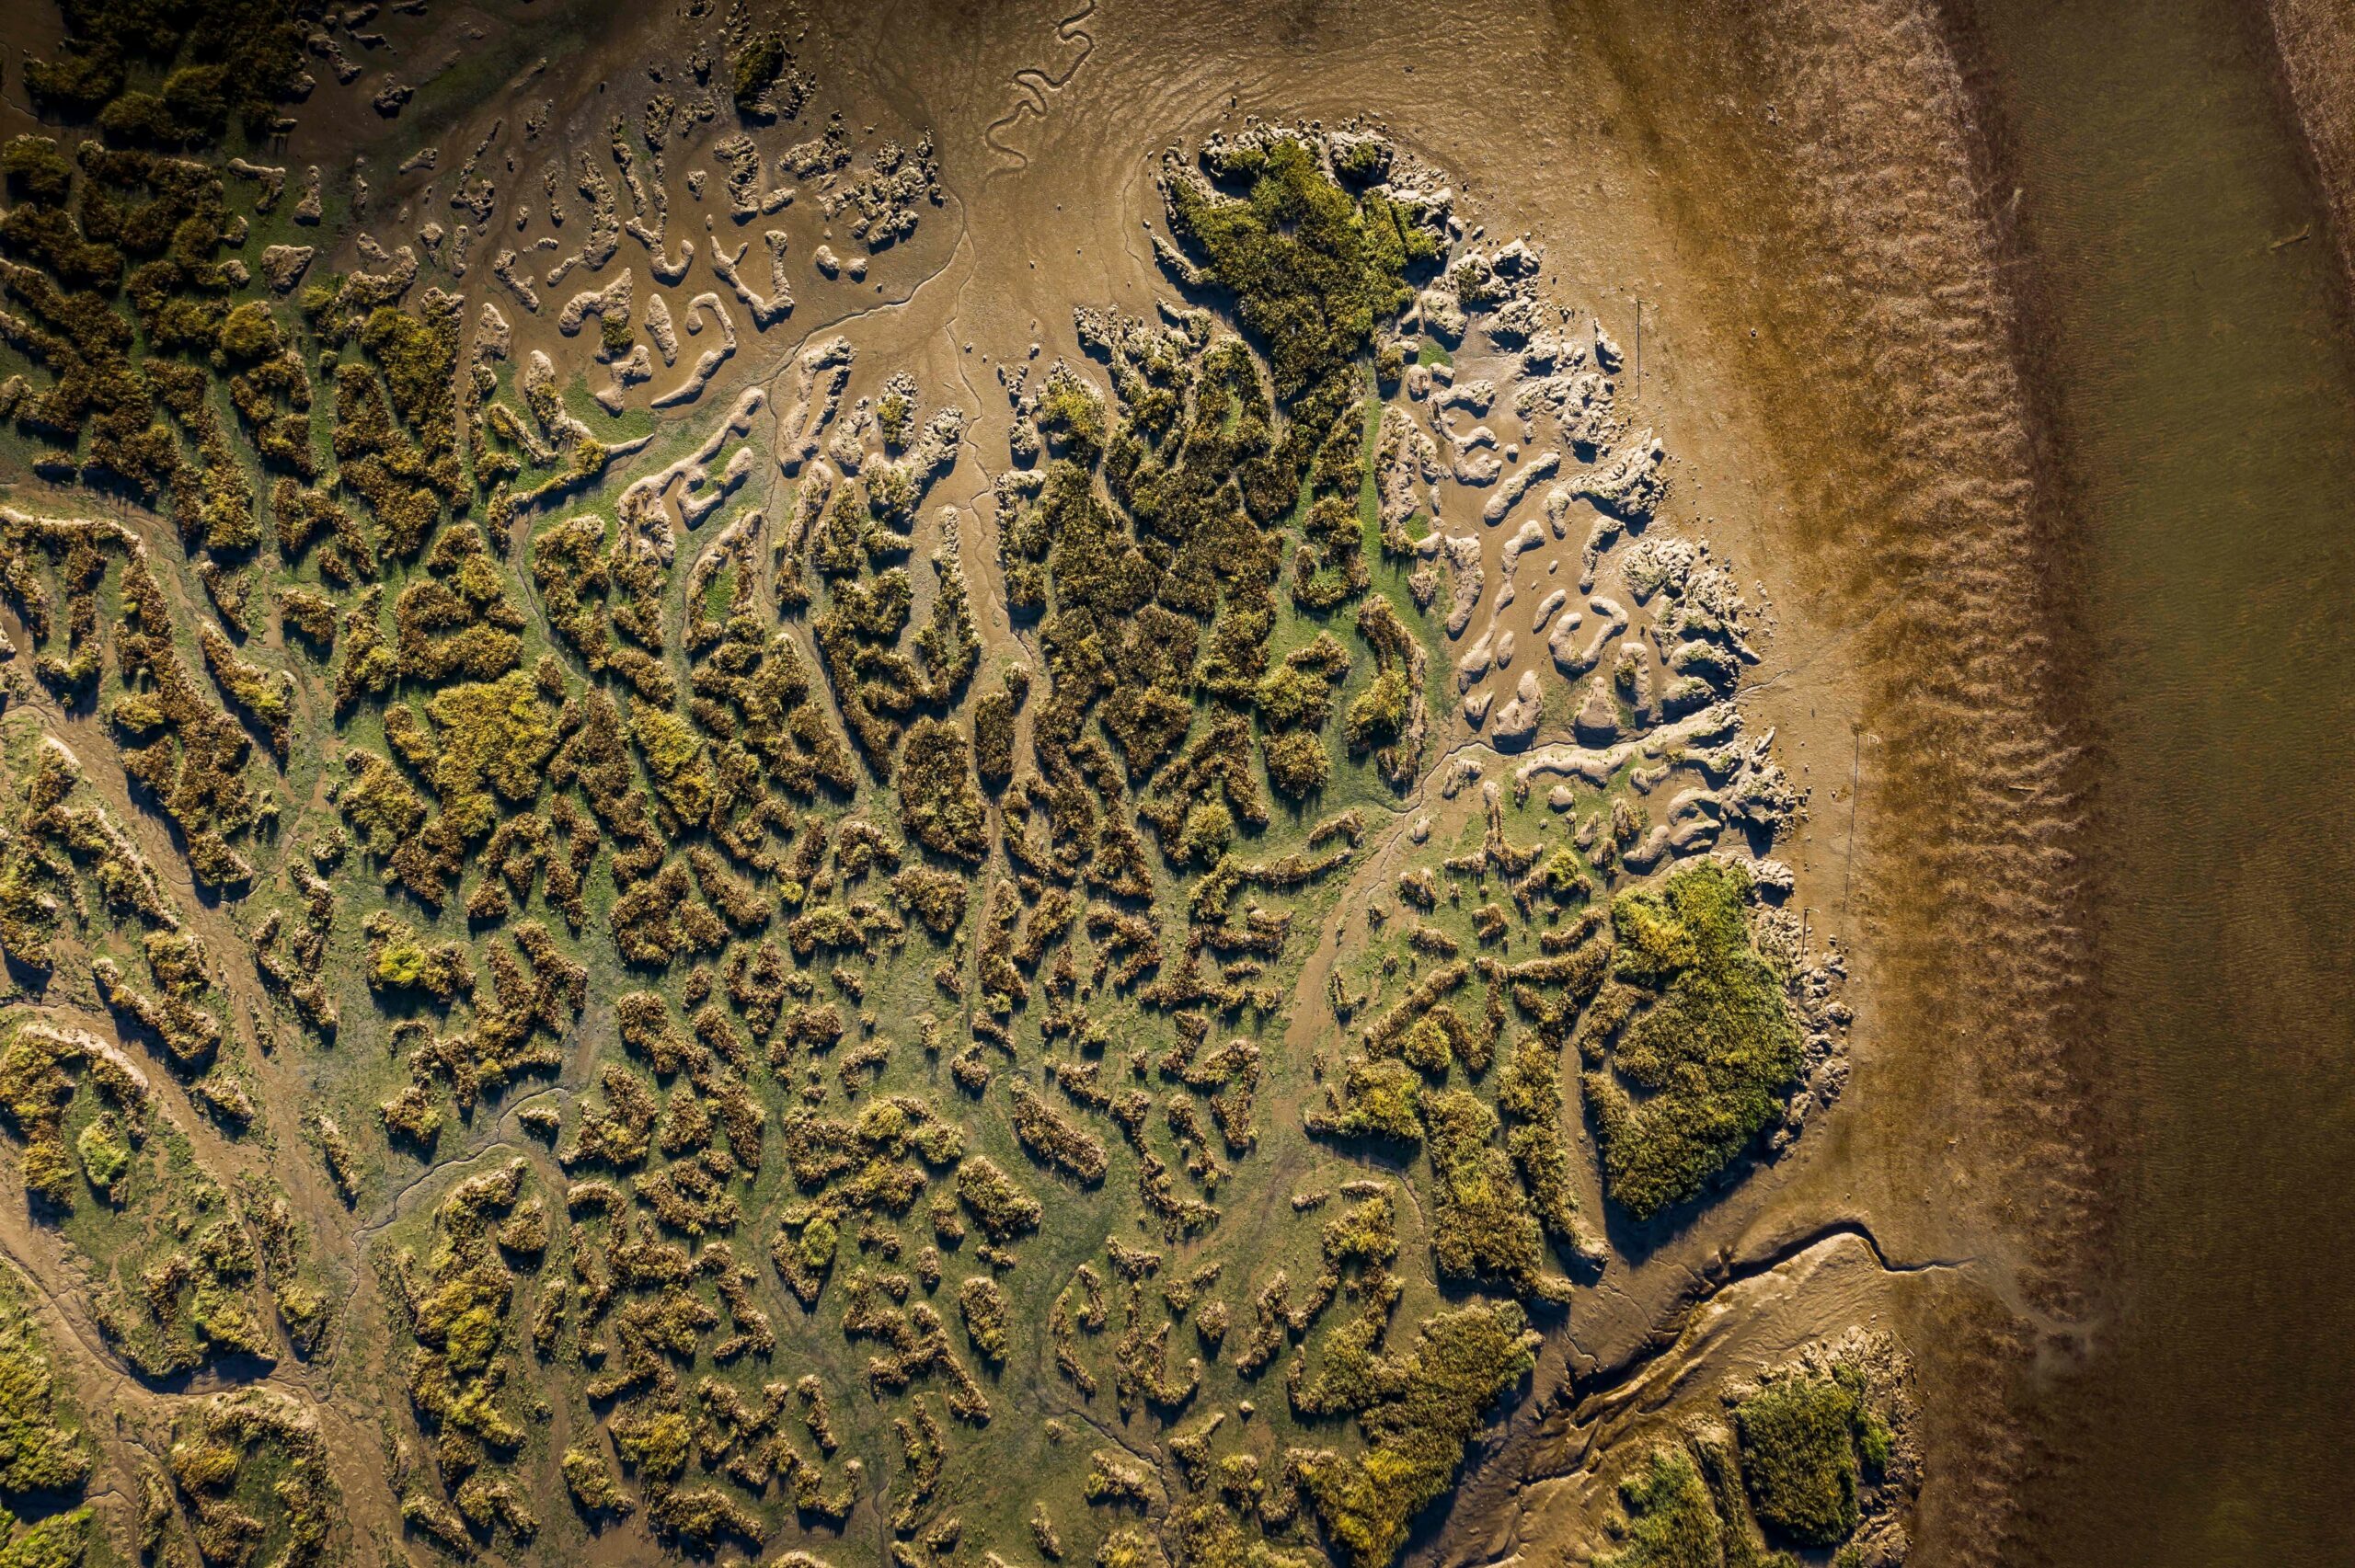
pixel 1462 1362
pixel 1805 1440
pixel 38 1451
pixel 1313 271
pixel 1710 1049
pixel 1672 1521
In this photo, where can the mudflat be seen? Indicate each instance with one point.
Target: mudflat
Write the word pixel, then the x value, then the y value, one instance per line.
pixel 1250 785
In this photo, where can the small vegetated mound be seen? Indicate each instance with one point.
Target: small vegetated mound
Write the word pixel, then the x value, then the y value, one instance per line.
pixel 250 1474
pixel 44 1458
pixel 1806 1439
pixel 1002 1209
pixel 985 1307
pixel 1710 1040
pixel 1813 1456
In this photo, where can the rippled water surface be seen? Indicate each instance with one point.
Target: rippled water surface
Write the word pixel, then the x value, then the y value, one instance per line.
pixel 2203 377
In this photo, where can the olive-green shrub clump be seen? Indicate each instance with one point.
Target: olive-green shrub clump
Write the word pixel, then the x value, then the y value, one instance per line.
pixel 939 804
pixel 984 1309
pixel 1461 1362
pixel 758 62
pixel 1298 764
pixel 1711 1048
pixel 1000 1207
pixel 37 1453
pixel 1672 1521
pixel 590 1480
pixel 1805 1440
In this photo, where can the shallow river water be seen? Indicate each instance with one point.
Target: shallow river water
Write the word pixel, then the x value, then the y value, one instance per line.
pixel 2201 385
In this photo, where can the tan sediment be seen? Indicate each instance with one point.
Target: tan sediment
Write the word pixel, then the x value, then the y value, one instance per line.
pixel 1831 158
pixel 1971 648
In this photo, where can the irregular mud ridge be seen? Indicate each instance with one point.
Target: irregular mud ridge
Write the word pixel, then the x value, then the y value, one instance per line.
pixel 701 853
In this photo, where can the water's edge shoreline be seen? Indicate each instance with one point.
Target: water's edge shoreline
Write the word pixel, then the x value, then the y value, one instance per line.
pixel 2313 60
